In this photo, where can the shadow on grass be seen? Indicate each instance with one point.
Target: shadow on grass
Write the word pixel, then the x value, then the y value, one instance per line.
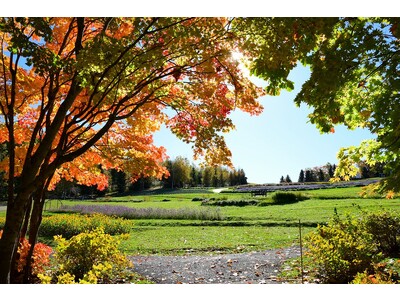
pixel 223 224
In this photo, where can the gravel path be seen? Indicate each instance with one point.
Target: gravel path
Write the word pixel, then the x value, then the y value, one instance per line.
pixel 254 267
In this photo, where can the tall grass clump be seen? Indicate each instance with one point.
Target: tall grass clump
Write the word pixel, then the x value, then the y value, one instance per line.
pixel 147 213
pixel 73 224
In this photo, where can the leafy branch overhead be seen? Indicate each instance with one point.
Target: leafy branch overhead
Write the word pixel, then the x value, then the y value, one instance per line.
pixel 354 80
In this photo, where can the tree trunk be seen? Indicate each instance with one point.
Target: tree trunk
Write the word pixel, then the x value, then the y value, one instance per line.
pixel 11 235
pixel 24 229
pixel 35 221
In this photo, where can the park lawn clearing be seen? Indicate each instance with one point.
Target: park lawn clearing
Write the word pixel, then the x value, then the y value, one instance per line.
pixel 242 229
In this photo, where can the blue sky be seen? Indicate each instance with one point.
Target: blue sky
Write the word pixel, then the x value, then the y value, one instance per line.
pixel 279 142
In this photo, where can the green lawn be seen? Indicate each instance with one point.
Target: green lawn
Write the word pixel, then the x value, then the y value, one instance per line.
pixel 243 229
pixel 204 239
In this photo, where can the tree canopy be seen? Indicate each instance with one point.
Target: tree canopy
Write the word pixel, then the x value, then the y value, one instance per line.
pixel 77 93
pixel 354 80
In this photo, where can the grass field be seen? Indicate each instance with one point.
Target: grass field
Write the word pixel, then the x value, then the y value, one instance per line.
pixel 242 229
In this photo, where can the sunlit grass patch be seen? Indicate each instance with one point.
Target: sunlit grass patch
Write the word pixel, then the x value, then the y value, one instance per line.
pixel 206 239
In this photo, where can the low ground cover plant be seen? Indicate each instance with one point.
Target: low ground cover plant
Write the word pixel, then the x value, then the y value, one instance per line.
pixel 89 257
pixel 147 213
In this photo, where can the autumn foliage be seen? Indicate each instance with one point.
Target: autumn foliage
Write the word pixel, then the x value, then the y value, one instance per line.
pixel 41 259
pixel 125 75
pixel 82 95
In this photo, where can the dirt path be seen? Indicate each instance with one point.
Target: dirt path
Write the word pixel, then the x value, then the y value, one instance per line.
pixel 254 267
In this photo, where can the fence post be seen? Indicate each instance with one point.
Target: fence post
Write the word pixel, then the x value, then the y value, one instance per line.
pixel 301 254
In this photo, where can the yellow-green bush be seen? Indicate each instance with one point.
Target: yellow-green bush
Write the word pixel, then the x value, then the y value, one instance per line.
pixel 351 249
pixel 89 257
pixel 342 249
pixel 385 229
pixel 73 224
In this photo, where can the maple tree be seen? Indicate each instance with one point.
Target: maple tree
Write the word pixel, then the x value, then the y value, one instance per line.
pixel 79 93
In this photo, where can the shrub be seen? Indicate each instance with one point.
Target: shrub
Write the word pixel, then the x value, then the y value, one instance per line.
pixel 385 229
pixel 385 272
pixel 40 259
pixel 196 199
pixel 73 224
pixel 287 198
pixel 351 248
pixel 342 249
pixel 89 257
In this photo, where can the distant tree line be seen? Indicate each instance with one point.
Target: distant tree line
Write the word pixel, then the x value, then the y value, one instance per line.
pixel 369 171
pixel 326 172
pixel 186 174
pixel 317 174
pixel 183 174
pixel 285 179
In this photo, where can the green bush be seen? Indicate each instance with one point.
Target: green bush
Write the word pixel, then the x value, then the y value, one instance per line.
pixel 342 249
pixel 385 229
pixel 197 199
pixel 90 257
pixel 350 249
pixel 69 225
pixel 288 197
